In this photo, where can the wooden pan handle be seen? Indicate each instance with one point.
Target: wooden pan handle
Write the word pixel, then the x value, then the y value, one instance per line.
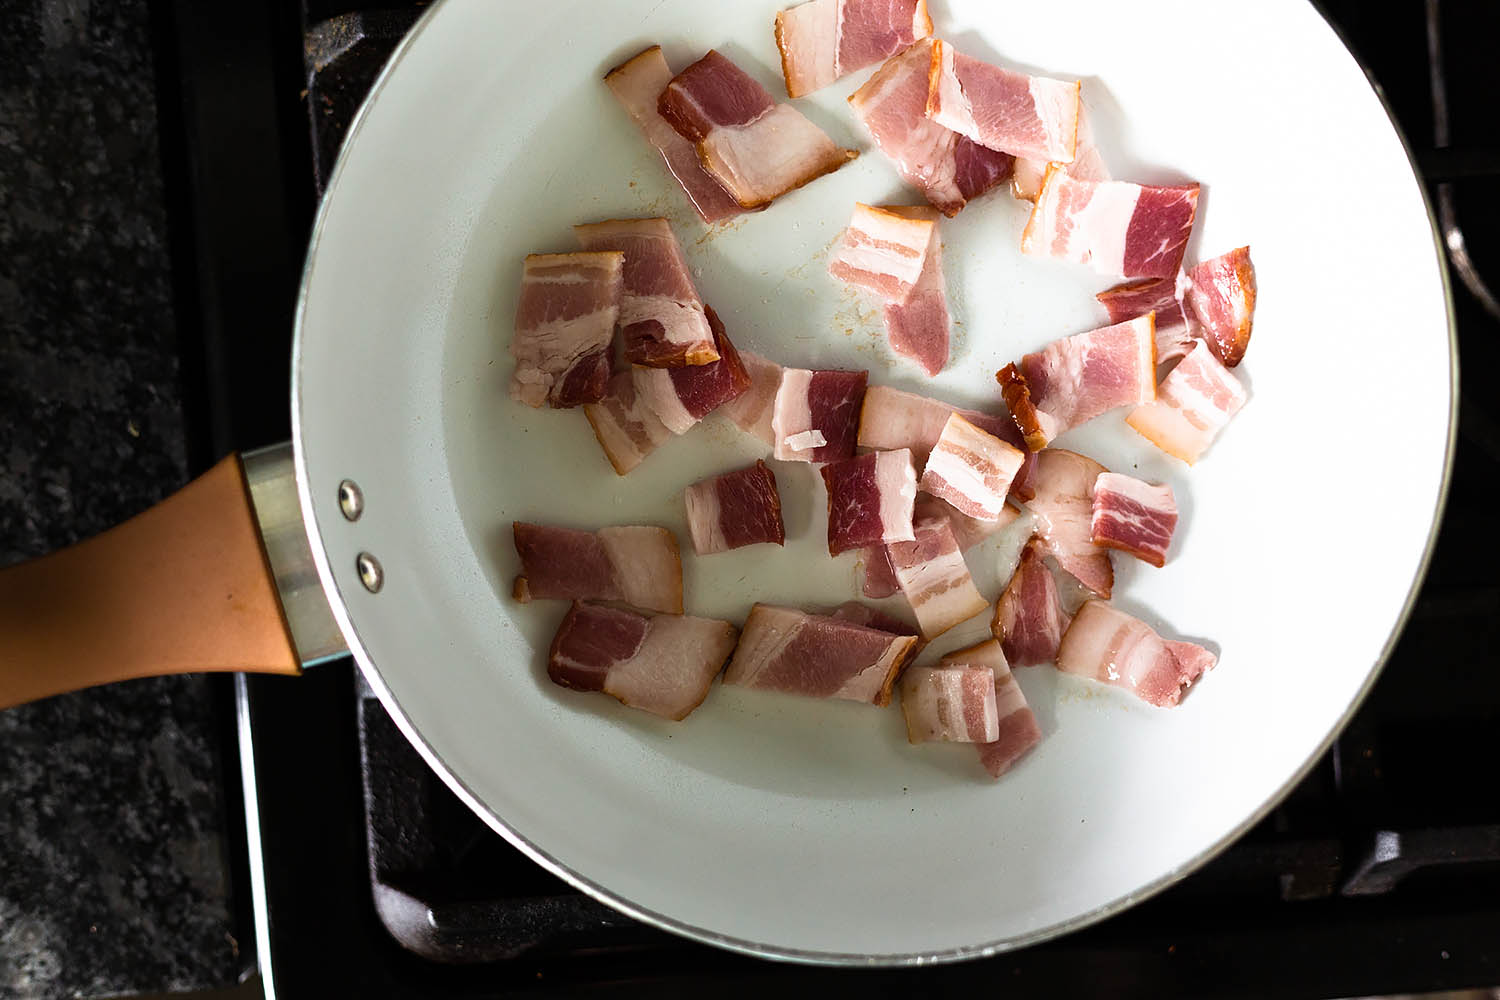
pixel 181 588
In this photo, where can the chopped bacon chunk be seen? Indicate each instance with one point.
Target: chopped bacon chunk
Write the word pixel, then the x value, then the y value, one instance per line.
pixel 1088 164
pixel 637 85
pixel 1130 230
pixel 565 320
pixel 971 469
pixel 949 704
pixel 636 564
pixel 752 411
pixel 883 251
pixel 1027 116
pixel 1018 731
pixel 1133 517
pixel 825 40
pixel 863 614
pixel 1108 645
pixel 1221 295
pixel 918 328
pixel 934 578
pixel 1064 508
pixel 879 574
pixel 967 531
pixel 662 664
pixel 1164 298
pixel 783 649
pixel 680 397
pixel 627 427
pixel 892 418
pixel 662 322
pixel 757 149
pixel 1075 379
pixel 1029 617
pixel 949 169
pixel 816 415
pixel 734 510
pixel 1193 404
pixel 869 500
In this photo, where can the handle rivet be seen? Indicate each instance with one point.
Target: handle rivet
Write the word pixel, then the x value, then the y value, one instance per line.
pixel 370 573
pixel 351 500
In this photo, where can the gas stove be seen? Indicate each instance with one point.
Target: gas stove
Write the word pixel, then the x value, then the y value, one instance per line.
pixel 1380 873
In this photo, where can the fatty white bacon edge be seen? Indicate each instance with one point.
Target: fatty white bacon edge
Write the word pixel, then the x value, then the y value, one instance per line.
pixel 935 579
pixel 1193 404
pixel 949 704
pixel 1106 644
pixel 971 469
pixel 1017 727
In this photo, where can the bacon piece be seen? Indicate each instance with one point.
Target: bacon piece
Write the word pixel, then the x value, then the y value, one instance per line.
pixel 863 614
pixel 1075 379
pixel 680 397
pixel 1164 298
pixel 949 169
pixel 1133 517
pixel 637 85
pixel 918 328
pixel 934 578
pixel 967 531
pixel 892 418
pixel 662 664
pixel 627 428
pixel 1017 728
pixel 869 500
pixel 565 320
pixel 752 411
pixel 971 469
pixel 951 704
pixel 1026 116
pixel 1029 617
pixel 825 40
pixel 883 251
pixel 734 510
pixel 783 649
pixel 1221 295
pixel 816 415
pixel 757 149
pixel 637 564
pixel 1130 230
pixel 1193 403
pixel 1108 645
pixel 879 575
pixel 1064 508
pixel 662 323
pixel 1088 164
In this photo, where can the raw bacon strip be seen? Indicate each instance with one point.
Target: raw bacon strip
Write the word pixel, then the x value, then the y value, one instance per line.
pixel 1029 617
pixel 949 169
pixel 734 510
pixel 879 574
pixel 1018 730
pixel 636 564
pixel 1088 164
pixel 783 649
pixel 752 411
pixel 627 427
pixel 883 251
pixel 828 39
pixel 1110 646
pixel 891 419
pixel 971 469
pixel 1133 517
pixel 1026 116
pixel 869 500
pixel 1162 296
pixel 1221 295
pixel 662 323
pixel 637 85
pixel 934 578
pixel 1064 508
pixel 1075 379
pixel 863 614
pixel 565 320
pixel 816 415
pixel 1193 403
pixel 680 397
pixel 967 531
pixel 1115 227
pixel 662 664
pixel 918 328
pixel 949 704
pixel 757 149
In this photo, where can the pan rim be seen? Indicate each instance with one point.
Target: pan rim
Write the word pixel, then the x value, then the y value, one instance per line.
pixel 535 852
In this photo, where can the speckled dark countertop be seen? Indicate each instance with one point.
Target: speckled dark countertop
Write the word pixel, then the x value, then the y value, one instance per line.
pixel 113 873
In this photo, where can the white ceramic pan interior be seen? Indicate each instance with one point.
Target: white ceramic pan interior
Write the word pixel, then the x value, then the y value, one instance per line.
pixel 802 829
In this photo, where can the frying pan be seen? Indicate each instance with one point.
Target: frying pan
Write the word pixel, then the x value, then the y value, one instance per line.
pixel 778 826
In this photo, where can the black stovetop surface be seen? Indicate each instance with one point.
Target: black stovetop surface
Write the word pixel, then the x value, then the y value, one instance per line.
pixel 1371 877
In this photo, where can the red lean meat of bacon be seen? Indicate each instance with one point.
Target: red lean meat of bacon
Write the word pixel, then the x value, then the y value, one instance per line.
pixel 1133 517
pixel 783 649
pixel 757 149
pixel 869 499
pixel 816 414
pixel 1029 617
pixel 949 169
pixel 661 664
pixel 565 320
pixel 1027 116
pixel 734 510
pixel 1162 296
pixel 1221 295
pixel 639 565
